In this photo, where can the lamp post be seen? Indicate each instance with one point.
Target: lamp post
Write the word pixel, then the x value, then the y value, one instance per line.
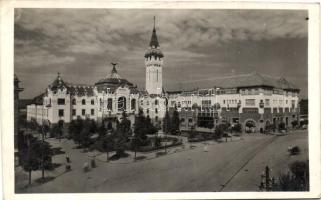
pixel 238 112
pixel 261 105
pixel 42 147
pixel 216 104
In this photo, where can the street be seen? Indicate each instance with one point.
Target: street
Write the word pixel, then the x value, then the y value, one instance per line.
pixel 227 166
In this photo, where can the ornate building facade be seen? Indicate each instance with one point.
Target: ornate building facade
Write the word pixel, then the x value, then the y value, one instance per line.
pixel 254 100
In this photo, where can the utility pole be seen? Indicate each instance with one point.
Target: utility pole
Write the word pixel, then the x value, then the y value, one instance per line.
pixel 42 148
pixel 266 181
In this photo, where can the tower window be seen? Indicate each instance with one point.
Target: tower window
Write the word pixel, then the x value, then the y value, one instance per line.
pixel 74 102
pixel 83 112
pixel 61 101
pixel 61 112
pixel 73 112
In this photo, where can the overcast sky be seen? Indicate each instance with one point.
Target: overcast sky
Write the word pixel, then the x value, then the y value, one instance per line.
pixel 197 44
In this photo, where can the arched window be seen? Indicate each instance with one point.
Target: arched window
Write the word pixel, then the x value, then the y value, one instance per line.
pixel 74 102
pixel 83 102
pixel 156 102
pixel 121 104
pixel 133 104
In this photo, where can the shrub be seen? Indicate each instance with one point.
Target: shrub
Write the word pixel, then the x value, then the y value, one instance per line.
pixel 219 130
pixel 297 179
pixel 282 126
pixel 294 123
pixel 294 150
pixel 237 128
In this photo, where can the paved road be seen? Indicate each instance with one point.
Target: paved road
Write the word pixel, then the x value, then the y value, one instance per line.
pixel 232 166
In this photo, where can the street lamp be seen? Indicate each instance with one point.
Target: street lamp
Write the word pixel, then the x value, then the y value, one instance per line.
pixel 216 103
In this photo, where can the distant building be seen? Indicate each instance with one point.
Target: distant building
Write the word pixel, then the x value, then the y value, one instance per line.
pixel 254 100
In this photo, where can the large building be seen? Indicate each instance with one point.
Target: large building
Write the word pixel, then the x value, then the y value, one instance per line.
pixel 254 100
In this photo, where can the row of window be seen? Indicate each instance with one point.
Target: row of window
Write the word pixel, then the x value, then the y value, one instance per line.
pixel 61 112
pixel 121 104
pixel 62 101
pixel 156 102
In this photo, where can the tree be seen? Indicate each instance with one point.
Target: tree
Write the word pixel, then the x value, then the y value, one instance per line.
pixel 150 128
pixel 108 143
pixel 75 128
pixel 140 126
pixel 121 135
pixel 167 123
pixel 87 130
pixel 60 128
pixel 175 122
pixel 140 131
pixel 33 152
pixel 166 126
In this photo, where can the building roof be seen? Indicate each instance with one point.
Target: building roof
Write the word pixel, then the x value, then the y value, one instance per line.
pixel 154 41
pixel 245 80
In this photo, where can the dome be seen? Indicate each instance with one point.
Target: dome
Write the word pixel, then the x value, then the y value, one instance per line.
pixel 113 79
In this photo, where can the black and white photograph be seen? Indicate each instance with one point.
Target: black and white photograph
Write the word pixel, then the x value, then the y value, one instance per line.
pixel 161 100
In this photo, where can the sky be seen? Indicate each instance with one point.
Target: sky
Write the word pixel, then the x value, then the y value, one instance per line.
pixel 197 45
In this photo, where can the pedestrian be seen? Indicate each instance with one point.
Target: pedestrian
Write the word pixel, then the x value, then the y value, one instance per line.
pixel 67 159
pixel 206 148
pixel 86 167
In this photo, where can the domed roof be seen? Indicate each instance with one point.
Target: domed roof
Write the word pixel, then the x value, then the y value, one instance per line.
pixel 113 79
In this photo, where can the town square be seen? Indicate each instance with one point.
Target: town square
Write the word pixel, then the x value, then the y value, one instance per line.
pixel 113 101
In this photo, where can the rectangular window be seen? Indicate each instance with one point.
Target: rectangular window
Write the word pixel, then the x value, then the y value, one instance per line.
pixel 73 112
pixel 61 101
pixel 110 104
pixel 61 112
pixel 249 102
pixel 206 103
pixel 293 103
pixel 92 111
pixel 156 111
pixel 83 112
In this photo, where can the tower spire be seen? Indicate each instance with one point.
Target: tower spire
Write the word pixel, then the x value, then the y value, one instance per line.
pixel 154 41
